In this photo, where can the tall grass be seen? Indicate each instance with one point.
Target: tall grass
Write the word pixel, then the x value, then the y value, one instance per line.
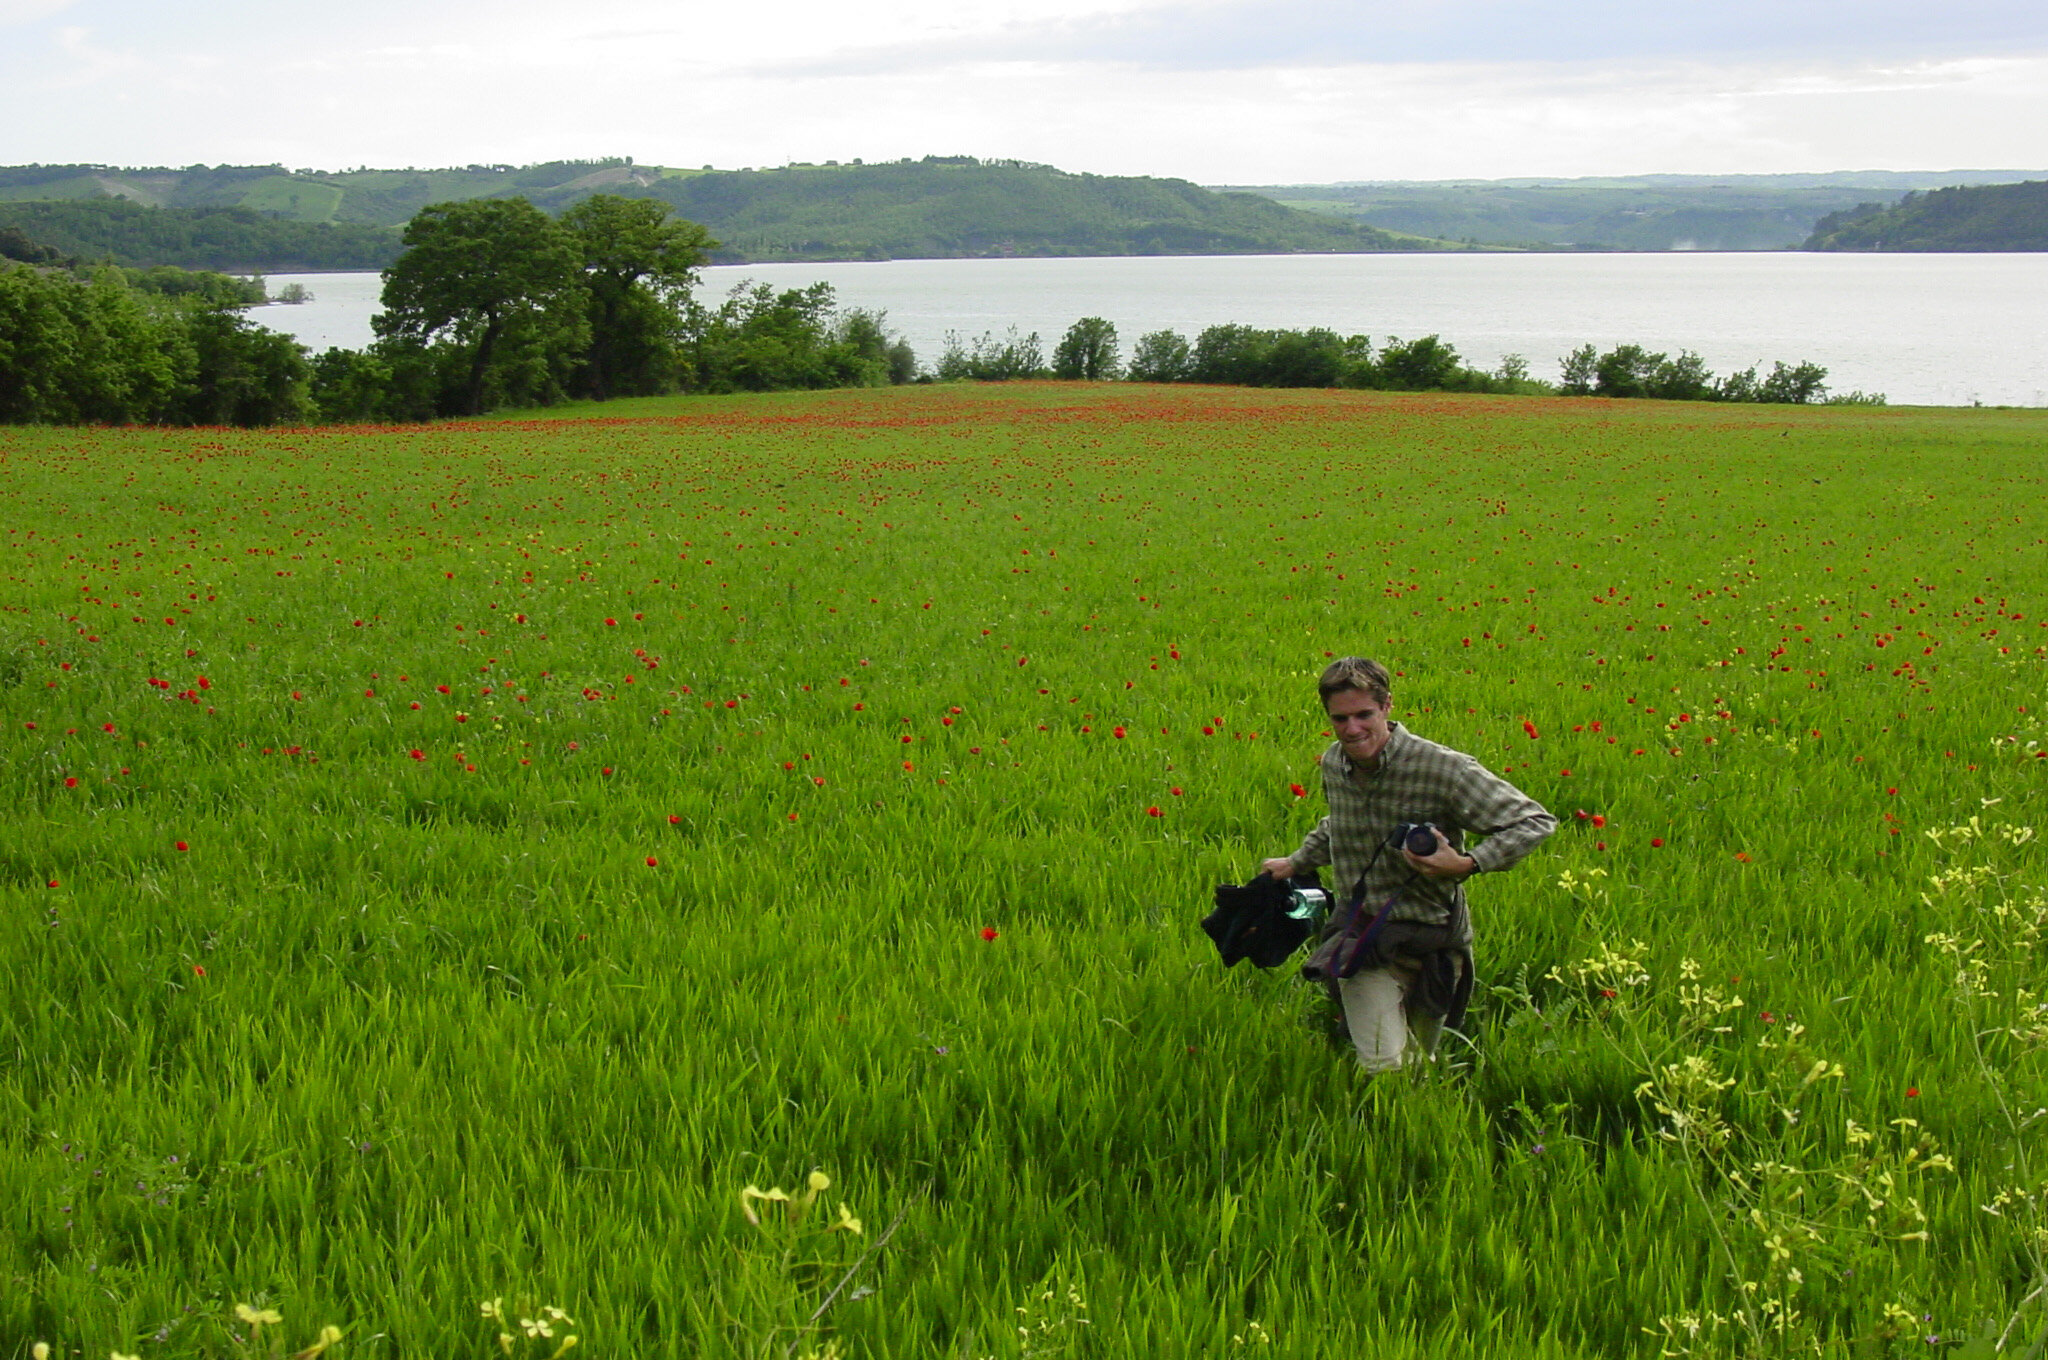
pixel 832 783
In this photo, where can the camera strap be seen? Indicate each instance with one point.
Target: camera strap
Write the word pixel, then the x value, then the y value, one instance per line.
pixel 1357 945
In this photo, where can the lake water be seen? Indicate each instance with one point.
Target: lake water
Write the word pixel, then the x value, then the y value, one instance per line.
pixel 1943 330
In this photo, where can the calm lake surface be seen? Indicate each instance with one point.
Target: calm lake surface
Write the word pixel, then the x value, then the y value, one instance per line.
pixel 1943 330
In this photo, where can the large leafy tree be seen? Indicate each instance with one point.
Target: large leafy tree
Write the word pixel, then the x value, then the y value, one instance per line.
pixel 639 263
pixel 1088 350
pixel 499 278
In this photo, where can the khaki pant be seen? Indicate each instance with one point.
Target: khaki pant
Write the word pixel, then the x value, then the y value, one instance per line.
pixel 1380 1026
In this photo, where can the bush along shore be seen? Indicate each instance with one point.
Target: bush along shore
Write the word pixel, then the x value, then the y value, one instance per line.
pixel 496 305
pixel 1247 356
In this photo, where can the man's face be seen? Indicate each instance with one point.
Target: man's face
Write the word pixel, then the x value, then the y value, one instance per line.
pixel 1360 722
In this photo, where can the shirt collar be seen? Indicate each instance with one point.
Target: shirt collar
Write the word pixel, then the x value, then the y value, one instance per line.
pixel 1398 742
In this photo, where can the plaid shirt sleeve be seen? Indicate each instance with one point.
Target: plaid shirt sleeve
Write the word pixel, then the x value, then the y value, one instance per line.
pixel 1315 848
pixel 1512 822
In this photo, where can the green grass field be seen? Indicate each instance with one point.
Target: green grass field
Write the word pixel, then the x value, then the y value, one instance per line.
pixel 449 864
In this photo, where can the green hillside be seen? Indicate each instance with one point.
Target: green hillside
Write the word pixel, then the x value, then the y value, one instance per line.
pixel 948 207
pixel 1648 212
pixel 234 239
pixel 385 198
pixel 1984 217
pixel 934 208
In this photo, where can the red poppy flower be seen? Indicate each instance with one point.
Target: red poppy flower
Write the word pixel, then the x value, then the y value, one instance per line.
pixel 198 971
pixel 1297 790
pixel 71 781
pixel 988 932
pixel 1530 728
pixel 1912 1092
pixel 674 820
pixel 1154 812
pixel 418 754
pixel 1599 820
pixel 181 847
pixel 1656 842
pixel 652 861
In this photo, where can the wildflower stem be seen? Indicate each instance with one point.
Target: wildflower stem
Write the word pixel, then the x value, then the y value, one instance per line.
pixel 851 1272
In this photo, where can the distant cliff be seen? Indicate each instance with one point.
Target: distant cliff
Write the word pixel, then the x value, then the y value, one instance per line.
pixel 1980 217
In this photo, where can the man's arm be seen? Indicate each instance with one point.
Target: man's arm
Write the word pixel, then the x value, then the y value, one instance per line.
pixel 1512 822
pixel 1313 854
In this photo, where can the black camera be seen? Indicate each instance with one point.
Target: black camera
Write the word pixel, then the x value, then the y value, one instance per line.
pixel 1417 838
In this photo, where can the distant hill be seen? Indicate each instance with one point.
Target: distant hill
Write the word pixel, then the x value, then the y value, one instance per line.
pixel 238 240
pixel 1642 212
pixel 384 198
pixel 1982 217
pixel 937 207
pixel 945 207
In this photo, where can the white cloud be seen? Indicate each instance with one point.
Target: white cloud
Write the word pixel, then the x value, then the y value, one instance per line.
pixel 1212 90
pixel 87 62
pixel 14 12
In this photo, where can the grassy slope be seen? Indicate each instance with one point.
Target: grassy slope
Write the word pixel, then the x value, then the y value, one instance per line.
pixel 394 1034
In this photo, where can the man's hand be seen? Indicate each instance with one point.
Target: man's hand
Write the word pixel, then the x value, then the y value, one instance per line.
pixel 1443 862
pixel 1280 869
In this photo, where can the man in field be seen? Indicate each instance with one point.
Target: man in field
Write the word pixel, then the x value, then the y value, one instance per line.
pixel 1415 974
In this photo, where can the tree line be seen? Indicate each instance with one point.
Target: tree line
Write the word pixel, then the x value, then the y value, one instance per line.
pixel 493 304
pixel 105 349
pixel 116 231
pixel 1248 356
pixel 1964 217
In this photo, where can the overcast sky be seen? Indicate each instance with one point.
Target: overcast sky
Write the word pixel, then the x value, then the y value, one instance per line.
pixel 1217 91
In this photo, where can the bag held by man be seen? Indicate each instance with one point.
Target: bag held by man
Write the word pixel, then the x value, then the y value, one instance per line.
pixel 1267 919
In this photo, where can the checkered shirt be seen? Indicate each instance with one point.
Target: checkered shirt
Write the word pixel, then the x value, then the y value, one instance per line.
pixel 1416 780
